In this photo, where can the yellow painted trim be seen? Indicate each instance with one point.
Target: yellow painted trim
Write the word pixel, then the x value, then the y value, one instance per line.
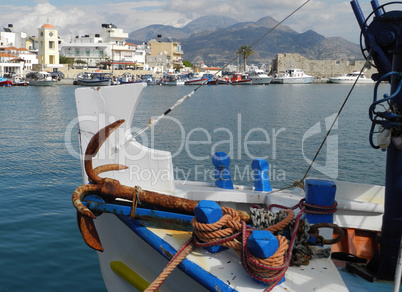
pixel 129 275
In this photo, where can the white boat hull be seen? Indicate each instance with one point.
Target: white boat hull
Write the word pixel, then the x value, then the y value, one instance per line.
pixel 41 82
pixel 293 80
pixel 173 83
pixel 261 80
pixel 351 81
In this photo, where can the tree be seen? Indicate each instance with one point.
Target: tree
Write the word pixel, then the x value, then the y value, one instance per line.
pixel 65 60
pixel 245 51
pixel 187 64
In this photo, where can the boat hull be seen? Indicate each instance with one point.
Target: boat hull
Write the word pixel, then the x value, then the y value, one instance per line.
pixel 222 272
pixel 293 80
pixel 173 83
pixel 6 83
pixel 93 83
pixel 41 82
pixel 197 82
pixel 242 82
pixel 350 81
pixel 261 80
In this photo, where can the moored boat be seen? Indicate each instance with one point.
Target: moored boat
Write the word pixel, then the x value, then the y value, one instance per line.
pixel 205 79
pixel 259 77
pixel 4 82
pixel 240 79
pixel 293 76
pixel 172 79
pixel 126 78
pixel 148 79
pixel 93 79
pixel 41 78
pixel 18 80
pixel 351 78
pixel 224 237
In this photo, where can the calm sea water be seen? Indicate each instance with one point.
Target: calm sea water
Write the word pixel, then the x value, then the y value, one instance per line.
pixel 40 246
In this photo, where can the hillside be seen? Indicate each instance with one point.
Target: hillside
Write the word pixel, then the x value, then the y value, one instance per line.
pixel 215 39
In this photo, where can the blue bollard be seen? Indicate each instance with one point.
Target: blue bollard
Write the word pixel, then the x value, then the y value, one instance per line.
pixel 322 193
pixel 263 244
pixel 221 162
pixel 261 179
pixel 209 212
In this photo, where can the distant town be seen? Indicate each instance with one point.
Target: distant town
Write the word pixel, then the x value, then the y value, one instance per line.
pixel 107 50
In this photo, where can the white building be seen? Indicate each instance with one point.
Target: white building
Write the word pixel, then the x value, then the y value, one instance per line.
pixel 9 38
pixel 107 48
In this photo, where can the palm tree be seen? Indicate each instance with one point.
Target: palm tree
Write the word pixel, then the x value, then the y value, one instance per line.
pixel 245 51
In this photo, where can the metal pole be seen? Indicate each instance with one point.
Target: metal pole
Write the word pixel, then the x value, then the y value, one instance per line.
pixel 391 231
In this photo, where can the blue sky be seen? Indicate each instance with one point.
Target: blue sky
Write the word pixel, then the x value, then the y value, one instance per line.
pixel 73 17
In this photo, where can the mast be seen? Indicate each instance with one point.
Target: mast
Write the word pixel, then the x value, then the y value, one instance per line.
pixel 383 42
pixel 390 236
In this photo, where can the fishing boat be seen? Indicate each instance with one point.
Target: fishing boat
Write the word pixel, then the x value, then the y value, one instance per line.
pixel 148 79
pixel 93 79
pixel 205 79
pixel 41 78
pixel 153 231
pixel 293 76
pixel 126 78
pixel 259 77
pixel 4 82
pixel 173 79
pixel 240 79
pixel 18 80
pixel 351 78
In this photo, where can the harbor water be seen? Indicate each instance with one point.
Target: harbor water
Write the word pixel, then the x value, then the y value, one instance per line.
pixel 41 248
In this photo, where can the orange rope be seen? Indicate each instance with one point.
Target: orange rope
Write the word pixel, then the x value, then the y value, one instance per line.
pixel 231 232
pixel 176 259
pixel 230 227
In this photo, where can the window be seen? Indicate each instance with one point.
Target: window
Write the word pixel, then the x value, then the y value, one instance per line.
pixel 51 45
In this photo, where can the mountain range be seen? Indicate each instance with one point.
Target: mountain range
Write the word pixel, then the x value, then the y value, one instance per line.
pixel 215 39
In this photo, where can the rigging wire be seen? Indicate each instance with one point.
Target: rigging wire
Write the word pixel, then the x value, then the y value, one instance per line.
pixel 337 115
pixel 300 183
pixel 153 122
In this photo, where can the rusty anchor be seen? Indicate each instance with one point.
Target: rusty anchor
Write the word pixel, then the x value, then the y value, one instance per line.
pixel 109 188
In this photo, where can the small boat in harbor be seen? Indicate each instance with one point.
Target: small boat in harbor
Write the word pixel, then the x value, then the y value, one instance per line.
pixel 4 82
pixel 205 79
pixel 225 80
pixel 18 80
pixel 173 79
pixel 351 78
pixel 41 78
pixel 126 78
pixel 259 77
pixel 293 76
pixel 151 230
pixel 148 79
pixel 93 79
pixel 240 79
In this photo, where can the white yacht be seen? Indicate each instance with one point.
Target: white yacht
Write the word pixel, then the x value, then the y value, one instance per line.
pixel 293 76
pixel 259 77
pixel 351 78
